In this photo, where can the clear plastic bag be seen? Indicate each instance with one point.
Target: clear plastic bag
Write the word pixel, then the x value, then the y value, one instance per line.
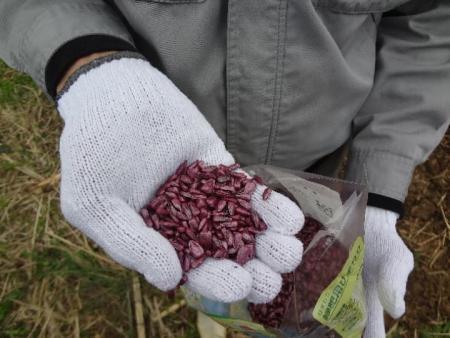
pixel 324 296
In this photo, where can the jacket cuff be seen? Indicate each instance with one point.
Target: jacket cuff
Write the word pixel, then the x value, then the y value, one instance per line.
pixel 387 203
pixel 384 173
pixel 71 51
pixel 54 24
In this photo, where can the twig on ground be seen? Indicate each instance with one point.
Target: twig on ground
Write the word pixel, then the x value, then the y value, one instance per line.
pixel 138 311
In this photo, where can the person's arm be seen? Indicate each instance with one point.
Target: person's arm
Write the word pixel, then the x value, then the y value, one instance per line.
pixel 400 124
pixel 126 128
pixel 44 38
pixel 408 110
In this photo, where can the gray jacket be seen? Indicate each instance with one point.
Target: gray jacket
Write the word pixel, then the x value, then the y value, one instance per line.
pixel 286 82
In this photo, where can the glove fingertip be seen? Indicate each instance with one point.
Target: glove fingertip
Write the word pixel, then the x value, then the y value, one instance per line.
pixel 266 282
pixel 393 301
pixel 280 213
pixel 280 252
pixel 220 280
pixel 164 283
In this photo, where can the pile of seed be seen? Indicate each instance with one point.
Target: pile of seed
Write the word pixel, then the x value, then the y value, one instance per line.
pixel 205 211
pixel 321 263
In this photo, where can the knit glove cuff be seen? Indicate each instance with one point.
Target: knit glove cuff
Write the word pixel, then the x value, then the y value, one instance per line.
pixel 94 64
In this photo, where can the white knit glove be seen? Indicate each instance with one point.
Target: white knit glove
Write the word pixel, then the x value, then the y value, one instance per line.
pixel 127 128
pixel 387 264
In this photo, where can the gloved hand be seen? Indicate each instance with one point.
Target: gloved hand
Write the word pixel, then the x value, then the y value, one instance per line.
pixel 127 128
pixel 387 264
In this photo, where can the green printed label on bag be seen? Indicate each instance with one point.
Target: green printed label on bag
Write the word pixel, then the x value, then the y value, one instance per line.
pixel 242 325
pixel 341 305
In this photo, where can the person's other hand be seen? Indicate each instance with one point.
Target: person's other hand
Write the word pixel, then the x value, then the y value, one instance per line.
pixel 127 128
pixel 387 264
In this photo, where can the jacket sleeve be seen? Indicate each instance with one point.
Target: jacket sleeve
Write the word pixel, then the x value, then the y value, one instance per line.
pixel 44 37
pixel 408 111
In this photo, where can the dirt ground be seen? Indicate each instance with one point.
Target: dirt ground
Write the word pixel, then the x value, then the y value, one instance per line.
pixel 56 283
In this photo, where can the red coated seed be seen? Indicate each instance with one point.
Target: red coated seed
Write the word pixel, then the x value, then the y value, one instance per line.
pixel 144 213
pixel 187 195
pixel 222 219
pixel 230 239
pixel 173 189
pixel 211 201
pixel 244 204
pixel 170 194
pixel 190 233
pixel 162 210
pixel 148 222
pixel 183 279
pixel 205 239
pixel 250 187
pixel 231 208
pixel 255 219
pixel 238 175
pixel 247 237
pixel 186 179
pixel 262 225
pixel 181 168
pixel 197 262
pixel 176 203
pixel 221 253
pixel 223 179
pixel 242 211
pixel 193 223
pixel 177 245
pixel 224 244
pixel 195 211
pixel 230 225
pixel 201 203
pixel 204 213
pixel 155 220
pixel 207 188
pixel 243 196
pixel 237 238
pixel 266 194
pixel 245 254
pixel 168 224
pixel 186 264
pixel 227 188
pixel 202 223
pixel 195 249
pixel 221 205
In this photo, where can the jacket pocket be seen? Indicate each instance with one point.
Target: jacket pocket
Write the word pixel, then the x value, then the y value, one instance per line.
pixel 173 1
pixel 358 6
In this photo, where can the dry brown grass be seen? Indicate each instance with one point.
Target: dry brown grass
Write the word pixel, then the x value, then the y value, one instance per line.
pixel 426 230
pixel 56 283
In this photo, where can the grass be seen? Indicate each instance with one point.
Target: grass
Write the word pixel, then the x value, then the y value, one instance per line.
pixel 56 283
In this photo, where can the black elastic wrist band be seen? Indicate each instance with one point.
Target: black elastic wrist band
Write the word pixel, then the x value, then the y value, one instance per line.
pixel 71 51
pixel 388 203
